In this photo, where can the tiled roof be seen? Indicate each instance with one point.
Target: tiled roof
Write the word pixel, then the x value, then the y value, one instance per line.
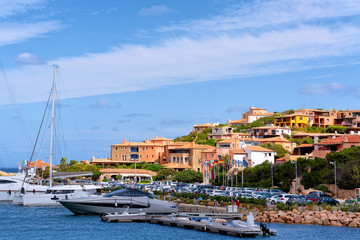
pixel 304 145
pixel 293 115
pixel 39 164
pixel 176 165
pixel 259 149
pixel 272 127
pixel 127 171
pixel 341 140
pixel 238 151
pixel 273 139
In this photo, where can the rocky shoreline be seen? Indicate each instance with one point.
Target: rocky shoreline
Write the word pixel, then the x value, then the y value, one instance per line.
pixel 323 217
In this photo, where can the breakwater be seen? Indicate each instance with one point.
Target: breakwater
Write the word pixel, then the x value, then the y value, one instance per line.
pixel 323 217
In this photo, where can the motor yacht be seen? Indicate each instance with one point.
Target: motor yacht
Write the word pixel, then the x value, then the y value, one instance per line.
pixel 130 200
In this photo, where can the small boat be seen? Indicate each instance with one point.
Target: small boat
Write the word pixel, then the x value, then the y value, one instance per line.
pixel 250 224
pixel 123 217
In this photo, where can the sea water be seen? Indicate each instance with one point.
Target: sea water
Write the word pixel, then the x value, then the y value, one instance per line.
pixel 18 222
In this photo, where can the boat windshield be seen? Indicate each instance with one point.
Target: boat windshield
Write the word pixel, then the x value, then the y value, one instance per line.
pixel 4 181
pixel 127 193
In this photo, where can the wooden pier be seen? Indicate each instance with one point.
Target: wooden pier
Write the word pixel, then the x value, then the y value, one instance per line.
pixel 184 222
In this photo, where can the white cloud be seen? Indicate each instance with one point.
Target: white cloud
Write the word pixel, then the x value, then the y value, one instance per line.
pixel 322 88
pixel 155 10
pixel 102 104
pixel 206 57
pixel 11 33
pixel 12 7
pixel 269 13
pixel 28 58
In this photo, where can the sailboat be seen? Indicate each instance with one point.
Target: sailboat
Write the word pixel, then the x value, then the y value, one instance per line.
pixel 53 194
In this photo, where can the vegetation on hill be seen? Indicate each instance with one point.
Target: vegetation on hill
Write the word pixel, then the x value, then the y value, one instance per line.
pixel 338 129
pixel 199 138
pixel 280 151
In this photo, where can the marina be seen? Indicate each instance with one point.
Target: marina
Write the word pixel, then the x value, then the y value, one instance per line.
pixel 18 222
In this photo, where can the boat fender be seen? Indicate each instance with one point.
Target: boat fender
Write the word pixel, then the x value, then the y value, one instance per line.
pixel 66 196
pixel 264 229
pixel 102 216
pixel 9 192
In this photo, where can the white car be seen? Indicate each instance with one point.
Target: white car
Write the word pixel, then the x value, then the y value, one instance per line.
pixel 282 198
pixel 272 199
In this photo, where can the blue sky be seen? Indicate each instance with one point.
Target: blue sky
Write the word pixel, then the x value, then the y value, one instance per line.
pixel 137 69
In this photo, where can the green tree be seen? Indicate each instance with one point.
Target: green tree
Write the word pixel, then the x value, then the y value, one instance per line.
pixel 338 129
pixel 73 162
pixel 189 176
pixel 164 174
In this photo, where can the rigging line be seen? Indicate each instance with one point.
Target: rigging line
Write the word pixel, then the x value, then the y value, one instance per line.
pixel 38 134
pixel 66 98
pixel 11 90
pixel 62 135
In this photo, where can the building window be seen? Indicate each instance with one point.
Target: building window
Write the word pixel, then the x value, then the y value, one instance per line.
pixel 205 156
pixel 181 159
pixel 212 155
pixel 116 156
pixel 134 149
pixel 134 157
pixel 269 154
pixel 116 148
pixel 147 156
pixel 301 118
pixel 124 157
pixel 174 159
pixel 143 148
pixel 177 159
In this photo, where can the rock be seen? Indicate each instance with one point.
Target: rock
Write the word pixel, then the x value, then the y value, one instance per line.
pixel 323 216
pixel 332 217
pixel 297 219
pixel 335 223
pixel 326 222
pixel 309 220
pixel 352 224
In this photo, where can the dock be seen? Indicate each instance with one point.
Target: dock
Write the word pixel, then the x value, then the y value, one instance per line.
pixel 184 222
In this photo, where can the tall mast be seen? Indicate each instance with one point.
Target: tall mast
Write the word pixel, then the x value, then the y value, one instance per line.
pixel 52 124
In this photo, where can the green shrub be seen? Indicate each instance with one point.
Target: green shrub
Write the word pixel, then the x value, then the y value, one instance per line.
pixel 322 188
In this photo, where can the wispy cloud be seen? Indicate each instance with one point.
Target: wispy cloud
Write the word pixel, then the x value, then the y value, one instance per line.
pixel 155 10
pixel 245 40
pixel 102 104
pixel 173 121
pixel 9 8
pixel 235 109
pixel 28 58
pixel 321 76
pixel 333 88
pixel 130 115
pixel 322 88
pixel 11 33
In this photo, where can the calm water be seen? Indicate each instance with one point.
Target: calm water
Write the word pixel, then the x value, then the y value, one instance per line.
pixel 17 222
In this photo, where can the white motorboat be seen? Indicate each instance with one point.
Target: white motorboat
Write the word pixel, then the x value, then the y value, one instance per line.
pixel 10 185
pixel 53 194
pixel 131 200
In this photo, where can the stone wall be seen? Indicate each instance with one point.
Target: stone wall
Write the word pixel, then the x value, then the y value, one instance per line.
pixel 324 217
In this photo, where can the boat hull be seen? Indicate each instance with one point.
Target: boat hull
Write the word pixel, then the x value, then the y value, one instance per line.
pixel 119 205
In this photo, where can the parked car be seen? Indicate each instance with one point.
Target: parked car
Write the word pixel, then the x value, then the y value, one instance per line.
pixel 350 202
pixel 328 200
pixel 282 198
pixel 273 199
pixel 298 200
